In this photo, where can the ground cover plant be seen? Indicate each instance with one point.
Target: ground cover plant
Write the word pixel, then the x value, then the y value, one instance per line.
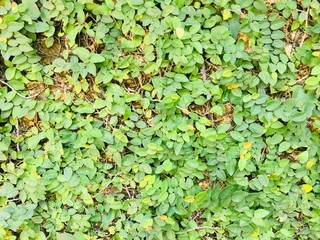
pixel 159 119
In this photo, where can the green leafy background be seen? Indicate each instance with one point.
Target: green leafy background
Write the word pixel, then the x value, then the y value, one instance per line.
pixel 159 119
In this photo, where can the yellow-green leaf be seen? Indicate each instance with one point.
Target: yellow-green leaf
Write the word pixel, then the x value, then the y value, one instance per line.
pixel 227 73
pixel 147 223
pixel 310 163
pixel 180 32
pixel 226 14
pixel 189 199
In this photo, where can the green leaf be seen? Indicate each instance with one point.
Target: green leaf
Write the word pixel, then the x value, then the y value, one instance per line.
pixel 281 68
pixel 216 109
pixel 65 236
pixel 264 180
pixel 32 9
pixel 237 136
pixel 67 172
pixel 197 46
pixel 33 142
pixel 258 221
pixel 286 232
pixel 194 29
pixel 3 146
pixel 120 136
pixel 260 213
pixel 315 71
pixel 6 106
pixel 231 166
pixel 13 51
pixel 82 53
pixel 8 190
pixel 15 26
pixel 3 157
pixel 97 58
pixel 86 108
pixel 181 78
pixel 277 24
pixel 284 146
pixel 86 197
pixel 41 27
pixel 242 164
pixel 136 2
pixel 265 77
pixel 312 81
pixel 209 134
pixel 303 157
pixel 277 138
pixel 167 165
pixel 118 14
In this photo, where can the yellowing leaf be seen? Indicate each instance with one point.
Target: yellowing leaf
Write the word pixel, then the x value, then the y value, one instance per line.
pixel 180 32
pixel 307 188
pixel 191 127
pixel 247 145
pixel 244 37
pixel 14 7
pixel 226 14
pixel 233 86
pixel 111 230
pixel 185 111
pixel 189 199
pixel 316 54
pixel 310 163
pixel 255 234
pixel 4 40
pixel 60 225
pixel 163 217
pixel 8 234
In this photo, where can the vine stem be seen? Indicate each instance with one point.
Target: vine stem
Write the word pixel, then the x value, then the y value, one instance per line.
pixel 114 177
pixel 19 94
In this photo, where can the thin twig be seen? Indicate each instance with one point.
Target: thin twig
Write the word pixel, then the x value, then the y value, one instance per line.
pixel 203 72
pixel 195 229
pixel 302 78
pixel 19 94
pixel 114 177
pixel 197 215
pixel 263 153
pixel 296 37
pixel 18 134
pixel 128 192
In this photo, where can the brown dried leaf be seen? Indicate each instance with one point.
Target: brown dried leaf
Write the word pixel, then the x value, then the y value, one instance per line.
pixel 288 49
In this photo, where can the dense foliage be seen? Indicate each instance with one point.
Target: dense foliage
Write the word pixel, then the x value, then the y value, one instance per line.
pixel 159 119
